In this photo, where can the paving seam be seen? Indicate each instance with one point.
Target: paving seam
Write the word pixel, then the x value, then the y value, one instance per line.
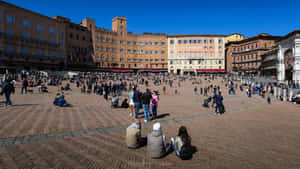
pixel 70 134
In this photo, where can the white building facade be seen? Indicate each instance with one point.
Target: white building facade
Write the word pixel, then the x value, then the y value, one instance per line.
pixel 288 67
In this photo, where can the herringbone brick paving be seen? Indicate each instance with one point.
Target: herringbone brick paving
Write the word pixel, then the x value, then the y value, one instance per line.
pixel 254 135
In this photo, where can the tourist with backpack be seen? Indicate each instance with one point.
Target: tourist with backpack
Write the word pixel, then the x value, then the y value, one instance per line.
pixel 145 99
pixel 182 144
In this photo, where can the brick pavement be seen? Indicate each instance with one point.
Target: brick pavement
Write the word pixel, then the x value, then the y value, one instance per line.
pixel 91 135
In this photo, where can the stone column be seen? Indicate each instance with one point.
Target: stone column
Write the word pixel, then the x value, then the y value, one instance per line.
pixel 279 92
pixel 290 94
pixel 280 65
pixel 284 95
pixel 275 92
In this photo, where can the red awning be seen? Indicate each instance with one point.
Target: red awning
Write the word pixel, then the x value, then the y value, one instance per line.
pixel 154 70
pixel 210 70
pixel 121 70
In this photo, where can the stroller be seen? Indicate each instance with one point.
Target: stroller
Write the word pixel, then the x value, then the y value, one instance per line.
pixel 206 102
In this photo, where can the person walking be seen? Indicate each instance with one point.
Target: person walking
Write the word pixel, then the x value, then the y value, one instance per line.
pixel 219 104
pixel 155 99
pixel 137 101
pixel 7 89
pixel 145 99
pixel 131 102
pixel 24 86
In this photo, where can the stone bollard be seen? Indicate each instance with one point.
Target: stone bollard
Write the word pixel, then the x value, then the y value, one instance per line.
pixel 290 94
pixel 279 92
pixel 284 97
pixel 275 92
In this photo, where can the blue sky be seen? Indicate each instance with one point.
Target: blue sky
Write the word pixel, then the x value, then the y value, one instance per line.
pixel 248 17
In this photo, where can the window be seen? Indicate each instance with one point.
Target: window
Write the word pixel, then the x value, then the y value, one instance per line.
pixel 107 49
pixel 121 42
pixel 121 33
pixel 10 49
pixel 156 52
pixel 128 51
pixel 199 41
pixel 171 62
pixel 26 51
pixel 162 60
pixel 62 43
pixel 156 60
pixel 211 47
pixel 151 52
pixel 184 54
pixel 162 43
pixel 141 60
pixel 40 27
pixel 26 23
pixel 113 49
pixel 211 41
pixel 10 32
pixel 220 47
pixel 77 37
pixel 128 42
pixel 62 33
pixel 220 62
pixel 128 60
pixel 51 55
pixel 151 43
pixel 179 41
pixel 156 43
pixel 146 52
pixel 141 51
pixel 146 43
pixel 40 52
pixel 121 50
pixel 134 43
pixel 185 41
pixel 40 38
pixel 141 43
pixel 194 41
pixel 220 41
pixel 162 52
pixel 171 41
pixel 10 19
pixel 211 54
pixel 51 30
pixel 134 51
pixel 113 41
pixel 51 41
pixel 205 41
pixel 220 54
pixel 205 54
pixel 190 41
pixel 180 54
pixel 102 39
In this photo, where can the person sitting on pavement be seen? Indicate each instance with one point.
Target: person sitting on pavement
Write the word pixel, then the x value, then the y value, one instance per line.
pixel 62 102
pixel 115 101
pixel 182 144
pixel 125 104
pixel 134 138
pixel 56 99
pixel 156 143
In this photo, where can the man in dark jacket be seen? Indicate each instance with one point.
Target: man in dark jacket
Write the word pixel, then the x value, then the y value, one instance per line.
pixel 219 104
pixel 146 98
pixel 24 86
pixel 137 101
pixel 7 89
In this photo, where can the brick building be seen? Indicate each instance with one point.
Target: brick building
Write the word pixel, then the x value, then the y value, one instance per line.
pixel 29 40
pixel 245 55
pixel 191 54
pixel 121 51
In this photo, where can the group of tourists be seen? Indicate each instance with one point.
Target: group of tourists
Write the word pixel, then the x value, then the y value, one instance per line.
pixel 156 141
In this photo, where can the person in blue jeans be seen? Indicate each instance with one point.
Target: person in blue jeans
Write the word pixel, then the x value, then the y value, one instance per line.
pixel 7 89
pixel 137 100
pixel 145 99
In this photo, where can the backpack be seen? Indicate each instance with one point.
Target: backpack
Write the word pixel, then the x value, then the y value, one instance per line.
pixel 186 152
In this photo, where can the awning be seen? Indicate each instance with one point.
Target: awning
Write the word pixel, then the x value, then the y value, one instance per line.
pixel 154 70
pixel 121 70
pixel 210 70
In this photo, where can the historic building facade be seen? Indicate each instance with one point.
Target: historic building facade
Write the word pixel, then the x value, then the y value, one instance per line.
pixel 119 50
pixel 288 56
pixel 245 55
pixel 196 54
pixel 234 37
pixel 29 40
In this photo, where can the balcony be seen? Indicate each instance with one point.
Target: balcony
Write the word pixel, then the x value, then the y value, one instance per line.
pixel 20 40
pixel 250 50
pixel 246 61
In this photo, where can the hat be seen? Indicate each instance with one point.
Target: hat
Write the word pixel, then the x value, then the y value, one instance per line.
pixel 156 126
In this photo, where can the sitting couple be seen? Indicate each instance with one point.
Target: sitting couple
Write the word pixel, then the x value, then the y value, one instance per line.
pixel 60 101
pixel 157 146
